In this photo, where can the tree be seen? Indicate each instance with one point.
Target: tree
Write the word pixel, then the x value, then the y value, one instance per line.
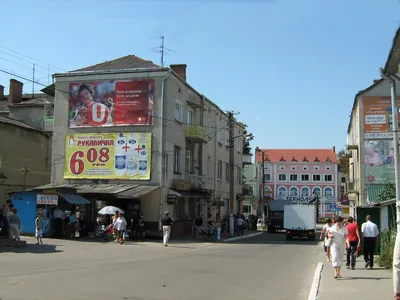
pixel 388 193
pixel 246 139
pixel 343 157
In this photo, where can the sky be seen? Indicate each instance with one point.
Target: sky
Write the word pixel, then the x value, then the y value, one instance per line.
pixel 291 68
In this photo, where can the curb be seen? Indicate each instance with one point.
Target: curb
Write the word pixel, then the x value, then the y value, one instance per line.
pixel 315 284
pixel 243 237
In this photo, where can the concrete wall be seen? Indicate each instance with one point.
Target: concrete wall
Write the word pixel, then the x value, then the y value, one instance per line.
pixel 22 147
pixel 31 115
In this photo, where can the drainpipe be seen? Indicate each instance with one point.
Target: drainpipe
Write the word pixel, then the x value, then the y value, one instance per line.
pixel 162 157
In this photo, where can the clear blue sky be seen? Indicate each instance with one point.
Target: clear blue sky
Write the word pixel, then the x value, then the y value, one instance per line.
pixel 290 67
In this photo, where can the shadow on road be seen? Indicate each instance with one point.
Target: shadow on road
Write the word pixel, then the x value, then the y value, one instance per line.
pixel 273 238
pixel 35 249
pixel 366 278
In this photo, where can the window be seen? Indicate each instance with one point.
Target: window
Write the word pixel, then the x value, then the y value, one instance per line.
pixel 227 172
pixel 328 192
pixel 294 192
pixel 281 177
pixel 189 116
pixel 316 167
pixel 282 168
pixel 226 138
pixel 293 168
pixel 327 178
pixel 267 177
pixel 246 208
pixel 251 189
pixel 316 177
pixel 343 179
pixel 327 168
pixel 305 177
pixel 209 170
pixel 267 191
pixel 305 191
pixel 177 159
pixel 305 168
pixel 189 162
pixel 219 169
pixel 282 191
pixel 293 177
pixel 266 168
pixel 220 135
pixel 316 191
pixel 239 175
pixel 178 111
pixel 209 129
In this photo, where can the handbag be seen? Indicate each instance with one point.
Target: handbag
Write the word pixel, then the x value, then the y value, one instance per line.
pixel 126 236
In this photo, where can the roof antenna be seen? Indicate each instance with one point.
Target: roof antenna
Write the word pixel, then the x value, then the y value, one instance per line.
pixel 162 50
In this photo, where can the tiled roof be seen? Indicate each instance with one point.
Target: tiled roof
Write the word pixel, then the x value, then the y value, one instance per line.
pixel 37 101
pixel 297 155
pixel 10 121
pixel 125 62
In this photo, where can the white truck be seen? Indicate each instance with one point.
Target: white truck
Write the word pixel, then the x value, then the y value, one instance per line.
pixel 299 221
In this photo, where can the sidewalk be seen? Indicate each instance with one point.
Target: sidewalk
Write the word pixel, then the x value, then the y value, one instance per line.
pixel 361 283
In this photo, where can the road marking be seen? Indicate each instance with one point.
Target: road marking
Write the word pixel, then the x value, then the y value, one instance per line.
pixel 243 237
pixel 315 284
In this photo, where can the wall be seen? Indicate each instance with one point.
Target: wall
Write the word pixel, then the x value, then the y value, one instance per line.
pixel 22 147
pixel 31 115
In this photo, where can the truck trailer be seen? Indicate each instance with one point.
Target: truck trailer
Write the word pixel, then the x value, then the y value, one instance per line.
pixel 300 221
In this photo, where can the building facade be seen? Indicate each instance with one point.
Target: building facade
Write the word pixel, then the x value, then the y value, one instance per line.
pixel 175 145
pixel 250 190
pixel 299 175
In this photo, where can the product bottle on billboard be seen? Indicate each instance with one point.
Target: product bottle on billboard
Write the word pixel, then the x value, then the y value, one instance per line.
pixel 132 168
pixel 120 155
pixel 143 161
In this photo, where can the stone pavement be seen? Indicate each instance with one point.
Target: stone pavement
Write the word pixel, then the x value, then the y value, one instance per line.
pixel 361 283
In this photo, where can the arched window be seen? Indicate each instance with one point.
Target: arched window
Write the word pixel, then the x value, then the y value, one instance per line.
pixel 317 191
pixel 282 191
pixel 328 192
pixel 267 191
pixel 305 191
pixel 294 192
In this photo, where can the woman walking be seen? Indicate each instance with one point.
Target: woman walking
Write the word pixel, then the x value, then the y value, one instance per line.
pixel 324 233
pixel 15 225
pixel 120 225
pixel 338 235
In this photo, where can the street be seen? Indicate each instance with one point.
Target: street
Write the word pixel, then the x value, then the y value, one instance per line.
pixel 262 267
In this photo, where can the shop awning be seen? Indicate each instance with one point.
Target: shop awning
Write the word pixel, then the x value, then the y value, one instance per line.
pixel 138 191
pixel 189 194
pixel 374 192
pixel 74 199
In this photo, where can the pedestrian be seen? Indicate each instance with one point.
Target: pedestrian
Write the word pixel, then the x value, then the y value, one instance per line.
pixel 59 217
pixel 338 235
pixel 15 224
pixel 198 222
pixel 120 226
pixel 370 234
pixel 327 242
pixel 166 223
pixel 141 225
pixel 39 228
pixel 239 223
pixel 354 243
pixel 6 212
pixel 115 231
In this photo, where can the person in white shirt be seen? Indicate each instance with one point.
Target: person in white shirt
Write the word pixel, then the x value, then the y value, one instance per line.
pixel 370 234
pixel 324 233
pixel 239 223
pixel 120 225
pixel 338 235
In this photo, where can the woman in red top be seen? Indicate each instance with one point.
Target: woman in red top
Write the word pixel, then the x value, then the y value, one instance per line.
pixel 354 243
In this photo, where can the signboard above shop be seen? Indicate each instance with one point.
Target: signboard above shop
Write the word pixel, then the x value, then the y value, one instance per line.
pixel 46 199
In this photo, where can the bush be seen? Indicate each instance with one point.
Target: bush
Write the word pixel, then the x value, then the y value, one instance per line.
pixel 388 239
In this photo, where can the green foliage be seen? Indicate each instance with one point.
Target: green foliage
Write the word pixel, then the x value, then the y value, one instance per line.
pixel 388 239
pixel 388 193
pixel 246 140
pixel 343 157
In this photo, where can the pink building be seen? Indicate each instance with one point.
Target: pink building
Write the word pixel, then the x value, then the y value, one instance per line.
pixel 299 175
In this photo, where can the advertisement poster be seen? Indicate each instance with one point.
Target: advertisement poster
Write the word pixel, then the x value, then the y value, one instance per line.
pixel 111 103
pixel 125 155
pixel 378 117
pixel 379 161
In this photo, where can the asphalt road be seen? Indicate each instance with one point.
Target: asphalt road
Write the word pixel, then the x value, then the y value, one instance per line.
pixel 263 267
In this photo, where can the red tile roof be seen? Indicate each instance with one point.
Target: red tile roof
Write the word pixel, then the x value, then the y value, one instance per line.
pixel 299 155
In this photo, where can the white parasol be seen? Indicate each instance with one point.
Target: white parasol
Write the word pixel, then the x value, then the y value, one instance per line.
pixel 110 210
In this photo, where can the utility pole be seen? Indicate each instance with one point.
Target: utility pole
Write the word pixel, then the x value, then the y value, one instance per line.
pixel 33 80
pixel 231 122
pixel 317 206
pixel 25 170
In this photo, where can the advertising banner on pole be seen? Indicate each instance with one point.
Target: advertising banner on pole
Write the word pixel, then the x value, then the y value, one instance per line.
pixel 125 155
pixel 111 103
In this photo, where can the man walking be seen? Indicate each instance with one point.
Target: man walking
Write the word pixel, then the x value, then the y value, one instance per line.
pixel 166 223
pixel 370 234
pixel 354 243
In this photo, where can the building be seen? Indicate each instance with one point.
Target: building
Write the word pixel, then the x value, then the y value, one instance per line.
pixel 250 190
pixel 299 175
pixel 130 133
pixel 369 136
pixel 25 150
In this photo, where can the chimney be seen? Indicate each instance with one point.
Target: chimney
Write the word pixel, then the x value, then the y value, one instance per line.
pixel 1 92
pixel 334 149
pixel 15 95
pixel 179 69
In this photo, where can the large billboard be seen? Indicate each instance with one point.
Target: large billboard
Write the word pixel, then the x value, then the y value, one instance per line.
pixel 125 155
pixel 111 103
pixel 378 117
pixel 379 161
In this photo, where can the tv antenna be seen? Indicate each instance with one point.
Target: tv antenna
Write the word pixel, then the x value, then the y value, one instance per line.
pixel 161 50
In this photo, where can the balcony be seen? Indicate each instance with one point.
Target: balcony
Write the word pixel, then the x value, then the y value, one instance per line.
pixel 196 133
pixel 247 159
pixel 48 124
pixel 198 181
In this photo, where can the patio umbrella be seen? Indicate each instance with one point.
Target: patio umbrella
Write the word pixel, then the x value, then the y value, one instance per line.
pixel 110 210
